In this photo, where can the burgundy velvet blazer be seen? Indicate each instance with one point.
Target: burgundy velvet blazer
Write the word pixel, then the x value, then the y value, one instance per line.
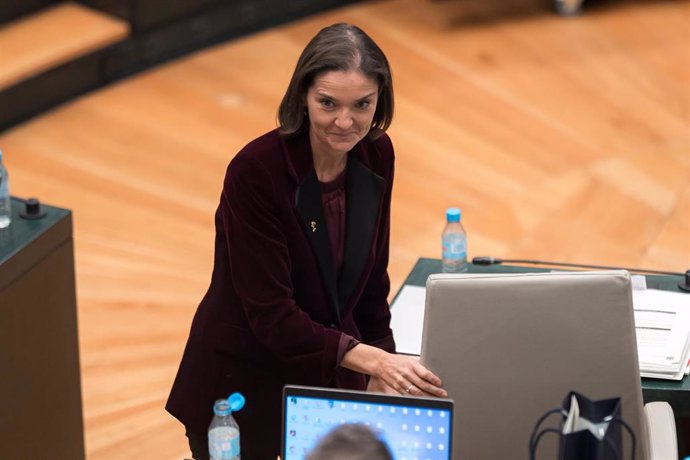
pixel 274 312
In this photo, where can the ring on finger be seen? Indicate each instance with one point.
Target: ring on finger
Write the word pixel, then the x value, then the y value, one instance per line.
pixel 409 388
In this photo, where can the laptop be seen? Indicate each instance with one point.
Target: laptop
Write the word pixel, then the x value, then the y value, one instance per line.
pixel 412 427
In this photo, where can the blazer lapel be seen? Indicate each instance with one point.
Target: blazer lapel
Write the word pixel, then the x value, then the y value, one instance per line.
pixel 363 200
pixel 364 191
pixel 310 209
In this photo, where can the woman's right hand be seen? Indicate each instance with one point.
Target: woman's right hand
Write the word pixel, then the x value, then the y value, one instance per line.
pixel 406 375
pixel 376 385
pixel 391 373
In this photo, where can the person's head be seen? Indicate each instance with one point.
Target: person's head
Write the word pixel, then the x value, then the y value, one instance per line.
pixel 340 50
pixel 350 442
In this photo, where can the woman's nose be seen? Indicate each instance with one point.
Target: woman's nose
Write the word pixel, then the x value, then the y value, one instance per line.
pixel 344 120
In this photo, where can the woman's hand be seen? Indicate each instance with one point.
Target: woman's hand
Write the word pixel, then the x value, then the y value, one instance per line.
pixel 376 385
pixel 392 373
pixel 406 375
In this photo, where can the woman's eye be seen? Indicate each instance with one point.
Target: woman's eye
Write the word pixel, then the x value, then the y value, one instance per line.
pixel 363 104
pixel 327 103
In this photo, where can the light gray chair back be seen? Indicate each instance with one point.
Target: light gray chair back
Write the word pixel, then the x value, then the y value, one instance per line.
pixel 510 347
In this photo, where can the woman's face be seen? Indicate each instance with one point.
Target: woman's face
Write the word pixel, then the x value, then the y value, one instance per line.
pixel 341 108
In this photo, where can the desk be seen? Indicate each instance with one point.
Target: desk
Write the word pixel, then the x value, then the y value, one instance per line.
pixel 41 415
pixel 676 393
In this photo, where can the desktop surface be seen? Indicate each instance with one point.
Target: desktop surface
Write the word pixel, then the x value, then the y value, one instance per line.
pixel 22 232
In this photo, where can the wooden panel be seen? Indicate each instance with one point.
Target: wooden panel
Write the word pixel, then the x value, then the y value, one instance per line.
pixel 54 36
pixel 40 355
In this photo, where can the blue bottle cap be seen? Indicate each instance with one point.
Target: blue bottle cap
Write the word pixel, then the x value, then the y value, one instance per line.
pixel 453 215
pixel 236 402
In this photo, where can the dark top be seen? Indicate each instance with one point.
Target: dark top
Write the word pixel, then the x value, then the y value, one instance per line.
pixel 333 201
pixel 276 312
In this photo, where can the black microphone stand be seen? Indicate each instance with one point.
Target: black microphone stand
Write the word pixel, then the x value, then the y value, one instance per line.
pixel 484 260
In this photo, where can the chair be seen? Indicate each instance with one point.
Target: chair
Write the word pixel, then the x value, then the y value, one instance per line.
pixel 510 347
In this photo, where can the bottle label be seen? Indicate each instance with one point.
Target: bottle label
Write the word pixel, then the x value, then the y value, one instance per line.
pixel 454 248
pixel 224 443
pixel 4 186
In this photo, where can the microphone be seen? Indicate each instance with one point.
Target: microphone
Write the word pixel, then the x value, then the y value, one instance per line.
pixel 685 285
pixel 32 208
pixel 485 260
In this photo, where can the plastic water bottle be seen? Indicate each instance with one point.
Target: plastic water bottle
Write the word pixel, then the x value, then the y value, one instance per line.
pixel 5 203
pixel 223 432
pixel 454 241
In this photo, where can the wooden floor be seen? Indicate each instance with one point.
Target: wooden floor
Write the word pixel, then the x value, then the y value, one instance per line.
pixel 560 139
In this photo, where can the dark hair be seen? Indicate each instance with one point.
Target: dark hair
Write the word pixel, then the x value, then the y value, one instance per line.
pixel 340 47
pixel 350 442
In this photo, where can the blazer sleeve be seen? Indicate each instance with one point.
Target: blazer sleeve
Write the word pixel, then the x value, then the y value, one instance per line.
pixel 261 273
pixel 372 312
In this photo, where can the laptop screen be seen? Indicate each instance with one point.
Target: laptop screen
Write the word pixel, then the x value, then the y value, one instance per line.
pixel 413 428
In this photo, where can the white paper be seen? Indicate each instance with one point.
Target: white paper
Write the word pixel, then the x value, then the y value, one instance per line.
pixel 407 319
pixel 638 282
pixel 662 322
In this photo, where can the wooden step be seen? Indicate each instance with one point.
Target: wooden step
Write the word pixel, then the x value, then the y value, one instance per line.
pixel 52 37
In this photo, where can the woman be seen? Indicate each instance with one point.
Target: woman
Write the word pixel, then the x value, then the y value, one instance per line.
pixel 300 284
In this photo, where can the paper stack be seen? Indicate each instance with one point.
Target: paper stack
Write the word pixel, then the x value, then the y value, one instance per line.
pixel 662 323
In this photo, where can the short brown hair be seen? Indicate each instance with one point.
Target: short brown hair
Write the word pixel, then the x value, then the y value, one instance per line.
pixel 339 47
pixel 351 442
